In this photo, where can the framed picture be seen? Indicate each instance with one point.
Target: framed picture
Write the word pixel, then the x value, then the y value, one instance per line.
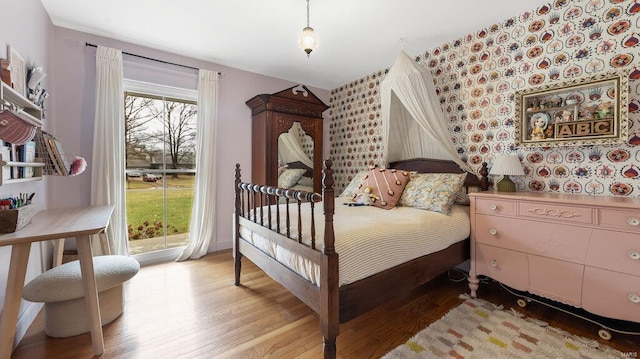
pixel 18 71
pixel 584 111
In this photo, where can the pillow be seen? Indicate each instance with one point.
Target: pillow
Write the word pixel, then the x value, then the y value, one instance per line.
pixel 432 191
pixel 300 165
pixel 305 181
pixel 281 169
pixel 386 186
pixel 289 177
pixel 462 197
pixel 353 187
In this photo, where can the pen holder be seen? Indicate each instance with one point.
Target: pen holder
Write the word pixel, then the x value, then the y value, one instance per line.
pixel 12 220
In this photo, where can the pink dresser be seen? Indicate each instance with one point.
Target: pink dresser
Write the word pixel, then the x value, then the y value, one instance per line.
pixel 576 249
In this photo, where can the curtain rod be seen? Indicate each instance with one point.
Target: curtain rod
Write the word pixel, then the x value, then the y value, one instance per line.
pixel 152 59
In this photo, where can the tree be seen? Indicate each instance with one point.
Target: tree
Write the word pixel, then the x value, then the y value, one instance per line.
pixel 136 118
pixel 179 134
pixel 160 129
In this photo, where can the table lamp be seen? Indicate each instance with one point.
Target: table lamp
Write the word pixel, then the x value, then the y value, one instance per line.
pixel 506 166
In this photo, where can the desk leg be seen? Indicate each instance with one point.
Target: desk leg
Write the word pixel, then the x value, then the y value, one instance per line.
pixel 58 251
pixel 15 282
pixel 91 292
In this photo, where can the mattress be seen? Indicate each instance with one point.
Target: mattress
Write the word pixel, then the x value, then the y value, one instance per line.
pixel 368 239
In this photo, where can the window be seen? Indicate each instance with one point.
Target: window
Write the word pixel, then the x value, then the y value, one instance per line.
pixel 160 137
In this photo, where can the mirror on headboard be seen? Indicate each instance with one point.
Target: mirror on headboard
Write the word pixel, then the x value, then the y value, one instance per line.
pixel 295 151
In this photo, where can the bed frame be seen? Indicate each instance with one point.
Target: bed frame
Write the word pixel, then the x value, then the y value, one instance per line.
pixel 334 304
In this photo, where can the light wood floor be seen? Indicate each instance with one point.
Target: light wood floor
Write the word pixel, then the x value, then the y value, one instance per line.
pixel 192 310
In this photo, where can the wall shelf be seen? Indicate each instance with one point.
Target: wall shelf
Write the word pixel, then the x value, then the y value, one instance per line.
pixel 598 114
pixel 38 167
pixel 20 111
pixel 29 111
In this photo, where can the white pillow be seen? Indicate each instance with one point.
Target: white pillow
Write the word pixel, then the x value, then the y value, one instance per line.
pixel 289 177
pixel 305 181
pixel 353 188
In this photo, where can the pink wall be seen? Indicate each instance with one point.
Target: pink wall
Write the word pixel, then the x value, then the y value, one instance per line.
pixel 74 67
pixel 70 68
pixel 27 28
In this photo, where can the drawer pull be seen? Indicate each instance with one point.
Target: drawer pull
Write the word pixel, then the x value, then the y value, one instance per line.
pixel 494 263
pixel 634 298
pixel 634 255
pixel 493 206
pixel 493 231
pixel 633 221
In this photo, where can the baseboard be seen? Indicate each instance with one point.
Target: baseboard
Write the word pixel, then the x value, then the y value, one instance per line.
pixel 25 319
pixel 223 245
pixel 164 255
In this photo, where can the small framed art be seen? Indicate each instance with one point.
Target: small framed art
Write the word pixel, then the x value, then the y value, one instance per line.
pixel 18 71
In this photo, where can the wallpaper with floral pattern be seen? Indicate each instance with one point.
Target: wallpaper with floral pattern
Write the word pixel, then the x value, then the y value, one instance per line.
pixel 477 77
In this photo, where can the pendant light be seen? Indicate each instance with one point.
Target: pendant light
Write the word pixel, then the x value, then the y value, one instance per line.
pixel 308 40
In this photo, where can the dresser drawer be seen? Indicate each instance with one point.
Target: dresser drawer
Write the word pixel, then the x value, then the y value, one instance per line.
pixel 544 279
pixel 559 213
pixel 554 240
pixel 623 220
pixel 495 206
pixel 618 251
pixel 503 265
pixel 611 294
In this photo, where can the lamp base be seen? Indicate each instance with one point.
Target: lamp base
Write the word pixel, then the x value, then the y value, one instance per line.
pixel 506 185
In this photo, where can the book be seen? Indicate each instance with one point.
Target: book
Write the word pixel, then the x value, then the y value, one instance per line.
pixel 29 156
pixel 5 152
pixel 52 150
pixel 14 158
pixel 62 157
pixel 42 152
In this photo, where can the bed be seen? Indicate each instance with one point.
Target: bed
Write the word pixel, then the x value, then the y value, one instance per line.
pixel 297 245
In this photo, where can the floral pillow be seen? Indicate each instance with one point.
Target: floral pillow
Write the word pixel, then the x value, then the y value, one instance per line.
pixel 462 197
pixel 384 187
pixel 305 181
pixel 289 177
pixel 432 191
pixel 353 187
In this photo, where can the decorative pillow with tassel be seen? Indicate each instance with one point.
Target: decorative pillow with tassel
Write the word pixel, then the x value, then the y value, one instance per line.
pixel 385 186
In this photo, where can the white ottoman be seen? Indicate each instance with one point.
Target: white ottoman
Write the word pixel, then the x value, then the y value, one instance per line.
pixel 61 290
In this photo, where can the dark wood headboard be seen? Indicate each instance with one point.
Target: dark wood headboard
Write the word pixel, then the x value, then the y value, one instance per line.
pixel 429 165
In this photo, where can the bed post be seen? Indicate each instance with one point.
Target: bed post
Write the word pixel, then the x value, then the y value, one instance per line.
pixel 237 256
pixel 329 290
pixel 484 177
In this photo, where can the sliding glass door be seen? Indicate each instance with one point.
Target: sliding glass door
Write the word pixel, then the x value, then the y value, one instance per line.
pixel 160 135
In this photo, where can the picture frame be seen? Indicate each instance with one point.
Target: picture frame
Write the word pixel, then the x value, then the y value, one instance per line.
pixel 18 71
pixel 581 111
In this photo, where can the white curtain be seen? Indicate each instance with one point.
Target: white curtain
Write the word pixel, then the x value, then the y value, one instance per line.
pixel 108 161
pixel 203 213
pixel 290 147
pixel 413 122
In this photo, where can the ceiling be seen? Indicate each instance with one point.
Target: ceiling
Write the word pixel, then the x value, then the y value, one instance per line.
pixel 356 37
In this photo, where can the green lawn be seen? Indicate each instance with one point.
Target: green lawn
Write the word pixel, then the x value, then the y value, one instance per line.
pixel 145 208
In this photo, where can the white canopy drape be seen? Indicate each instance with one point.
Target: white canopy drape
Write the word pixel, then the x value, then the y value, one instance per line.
pixel 290 147
pixel 413 122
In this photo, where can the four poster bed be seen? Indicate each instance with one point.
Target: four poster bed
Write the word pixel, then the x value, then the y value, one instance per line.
pixel 329 269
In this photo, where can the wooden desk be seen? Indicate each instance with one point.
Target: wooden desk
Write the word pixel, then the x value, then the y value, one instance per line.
pixel 79 222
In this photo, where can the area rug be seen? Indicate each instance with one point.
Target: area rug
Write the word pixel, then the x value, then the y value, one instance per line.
pixel 479 329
